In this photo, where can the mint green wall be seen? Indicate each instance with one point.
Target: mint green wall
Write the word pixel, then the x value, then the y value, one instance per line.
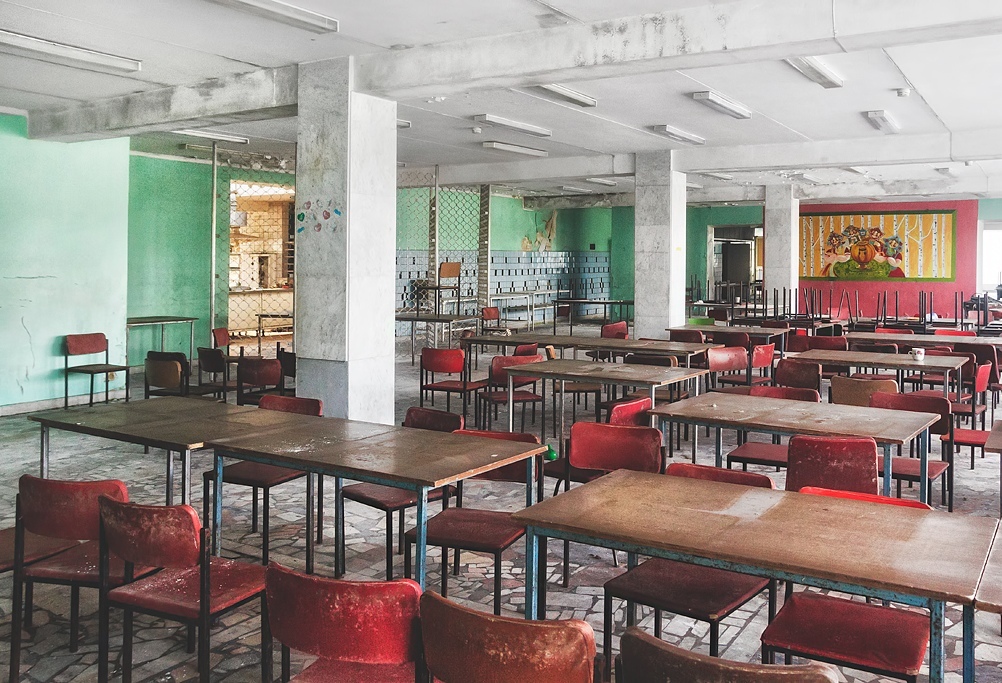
pixel 169 216
pixel 510 223
pixel 577 229
pixel 621 251
pixel 698 219
pixel 64 218
pixel 990 210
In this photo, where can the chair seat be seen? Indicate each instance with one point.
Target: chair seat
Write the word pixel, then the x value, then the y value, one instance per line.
pixel 936 393
pixel 968 408
pixel 331 671
pixel 484 531
pixel 555 469
pixel 97 368
pixel 968 437
pixel 246 473
pixel 866 636
pixel 388 498
pixel 206 388
pixel 80 564
pixel 742 380
pixel 875 376
pixel 661 394
pixel 35 548
pixel 908 468
pixel 517 396
pixel 702 593
pixel 175 591
pixel 757 453
pixel 455 386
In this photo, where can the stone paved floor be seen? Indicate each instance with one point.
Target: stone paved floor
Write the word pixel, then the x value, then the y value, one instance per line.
pixel 160 647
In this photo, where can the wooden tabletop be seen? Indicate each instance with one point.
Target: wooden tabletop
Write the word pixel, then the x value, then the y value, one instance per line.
pixel 922 339
pixel 607 373
pixel 350 449
pixel 776 415
pixel 994 444
pixel 897 361
pixel 653 347
pixel 924 553
pixel 559 341
pixel 432 318
pixel 158 320
pixel 989 595
pixel 750 330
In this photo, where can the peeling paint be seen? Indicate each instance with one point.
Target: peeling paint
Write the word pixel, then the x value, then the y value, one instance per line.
pixel 31 346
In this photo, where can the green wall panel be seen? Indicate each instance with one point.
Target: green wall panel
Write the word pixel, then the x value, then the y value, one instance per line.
pixel 621 253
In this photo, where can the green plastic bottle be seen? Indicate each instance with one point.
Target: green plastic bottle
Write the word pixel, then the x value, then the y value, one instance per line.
pixel 550 453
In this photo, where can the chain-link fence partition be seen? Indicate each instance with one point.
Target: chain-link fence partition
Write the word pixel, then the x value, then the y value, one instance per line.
pixel 458 231
pixel 255 252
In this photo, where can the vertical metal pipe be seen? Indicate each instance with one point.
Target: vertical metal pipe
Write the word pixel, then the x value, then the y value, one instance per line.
pixel 212 244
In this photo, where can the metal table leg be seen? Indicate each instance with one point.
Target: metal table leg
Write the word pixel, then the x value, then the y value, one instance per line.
pixel 936 627
pixel 186 477
pixel 511 404
pixel 531 573
pixel 923 444
pixel 310 522
pixel 887 469
pixel 968 643
pixel 339 562
pixel 413 324
pixel 217 505
pixel 170 477
pixel 43 455
pixel 421 539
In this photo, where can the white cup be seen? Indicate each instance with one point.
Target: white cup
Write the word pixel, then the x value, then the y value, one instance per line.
pixel 918 353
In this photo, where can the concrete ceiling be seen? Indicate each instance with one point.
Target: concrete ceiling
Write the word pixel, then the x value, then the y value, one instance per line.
pixel 186 41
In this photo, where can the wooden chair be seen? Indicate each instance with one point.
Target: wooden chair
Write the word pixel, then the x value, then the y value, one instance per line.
pixel 212 362
pixel 446 362
pixel 462 645
pixel 646 659
pixel 390 499
pixel 495 394
pixel 797 374
pixel 193 587
pixel 483 531
pixel 844 463
pixel 769 454
pixel 164 375
pixel 873 638
pixel 374 634
pixel 700 593
pixel 257 377
pixel 257 475
pixel 86 345
pixel 851 391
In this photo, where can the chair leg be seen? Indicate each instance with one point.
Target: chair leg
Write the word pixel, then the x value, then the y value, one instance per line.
pixel 389 544
pixel 400 543
pixel 203 652
pixel 29 603
pixel 267 647
pixel 714 638
pixel 286 664
pixel 127 646
pixel 567 564
pixel 320 509
pixel 407 559
pixel 74 617
pixel 266 524
pixel 254 510
pixel 192 638
pixel 497 584
pixel 445 572
pixel 14 674
pixel 607 636
pixel 657 623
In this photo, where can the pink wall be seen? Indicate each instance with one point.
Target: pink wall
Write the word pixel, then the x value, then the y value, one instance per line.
pixel 943 291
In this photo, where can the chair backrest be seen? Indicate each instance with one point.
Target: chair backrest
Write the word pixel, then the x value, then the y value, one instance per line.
pixel 176 356
pixel 490 313
pixel 730 339
pixel 844 463
pixel 432 420
pixel 981 377
pixel 646 659
pixel 65 509
pixel 448 361
pixel 526 350
pixel 515 471
pixel 448 269
pixel 370 622
pixel 866 497
pixel 762 355
pixel 719 314
pixel 688 336
pixel 630 413
pixel 797 343
pixel 788 393
pixel 938 405
pixel 650 359
pixel 550 351
pixel 954 333
pixel 872 347
pixel 967 370
pixel 259 372
pixel 828 343
pixel 288 361
pixel 598 446
pixel 727 359
pixel 983 353
pixel 166 374
pixel 85 344
pixel 707 473
pixel 618 330
pixel 212 361
pixel 292 404
pixel 152 535
pixel 894 330
pixel 498 374
pixel 462 645
pixel 857 392
pixel 800 374
pixel 220 337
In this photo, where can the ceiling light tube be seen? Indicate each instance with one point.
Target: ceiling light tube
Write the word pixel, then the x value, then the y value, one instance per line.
pixel 718 176
pixel 401 123
pixel 883 121
pixel 809 178
pixel 724 105
pixel 517 149
pixel 816 70
pixel 571 188
pixel 285 14
pixel 679 135
pixel 608 182
pixel 693 186
pixel 574 96
pixel 518 126
pixel 61 53
pixel 211 135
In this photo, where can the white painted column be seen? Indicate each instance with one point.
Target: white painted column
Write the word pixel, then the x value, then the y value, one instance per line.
pixel 345 244
pixel 659 261
pixel 782 240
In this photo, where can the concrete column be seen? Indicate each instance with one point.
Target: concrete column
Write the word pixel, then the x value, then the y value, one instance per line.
pixel 782 239
pixel 484 249
pixel 345 241
pixel 659 261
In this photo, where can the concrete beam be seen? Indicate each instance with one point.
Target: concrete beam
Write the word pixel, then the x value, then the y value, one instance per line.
pixel 262 94
pixel 693 37
pixel 535 169
pixel 579 201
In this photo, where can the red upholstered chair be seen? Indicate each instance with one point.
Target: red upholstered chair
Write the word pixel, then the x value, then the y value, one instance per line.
pixel 490 320
pixel 797 374
pixel 257 377
pixel 194 587
pixel 646 659
pixel 617 330
pixel 687 336
pixel 220 337
pixel 978 406
pixel 462 645
pixel 883 640
pixel 769 454
pixel 830 344
pixel 935 379
pixel 483 531
pixel 359 630
pixel 212 362
pixel 730 359
pixel 57 515
pixel 390 499
pixel 164 378
pixel 496 392
pixel 631 413
pixel 700 593
pixel 894 330
pixel 761 359
pixel 907 469
pixel 87 345
pixel 446 362
pixel 262 476
pixel 797 343
pixel 975 438
pixel 845 463
pixel 526 350
pixel 954 333
pixel 739 339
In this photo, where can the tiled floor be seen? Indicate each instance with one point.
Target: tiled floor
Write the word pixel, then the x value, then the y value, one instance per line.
pixel 160 648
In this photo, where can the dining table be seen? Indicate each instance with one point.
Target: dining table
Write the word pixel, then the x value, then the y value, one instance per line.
pixel 899 362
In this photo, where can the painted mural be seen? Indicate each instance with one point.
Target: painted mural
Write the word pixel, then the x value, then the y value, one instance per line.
pixel 878 246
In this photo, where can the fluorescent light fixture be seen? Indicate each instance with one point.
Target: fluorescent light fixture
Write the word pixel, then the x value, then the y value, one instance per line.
pixel 602 181
pixel 857 169
pixel 724 105
pixel 693 186
pixel 285 14
pixel 61 53
pixel 517 149
pixel 883 121
pixel 680 135
pixel 401 164
pixel 816 70
pixel 571 188
pixel 944 170
pixel 809 178
pixel 518 126
pixel 718 176
pixel 403 124
pixel 574 96
pixel 211 135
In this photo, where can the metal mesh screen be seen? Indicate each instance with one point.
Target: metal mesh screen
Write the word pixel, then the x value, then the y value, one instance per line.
pixel 415 227
pixel 458 232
